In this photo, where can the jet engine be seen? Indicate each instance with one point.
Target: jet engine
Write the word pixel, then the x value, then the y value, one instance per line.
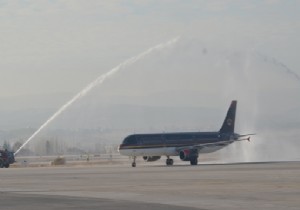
pixel 188 154
pixel 151 158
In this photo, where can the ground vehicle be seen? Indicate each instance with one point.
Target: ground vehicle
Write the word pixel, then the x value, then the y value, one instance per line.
pixel 6 158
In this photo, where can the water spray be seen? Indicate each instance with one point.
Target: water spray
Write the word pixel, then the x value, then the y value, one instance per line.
pixel 97 82
pixel 284 67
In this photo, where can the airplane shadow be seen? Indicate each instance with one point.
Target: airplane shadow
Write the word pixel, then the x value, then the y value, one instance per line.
pixel 224 164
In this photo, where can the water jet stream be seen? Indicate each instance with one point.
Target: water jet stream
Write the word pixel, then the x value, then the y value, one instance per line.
pixel 97 82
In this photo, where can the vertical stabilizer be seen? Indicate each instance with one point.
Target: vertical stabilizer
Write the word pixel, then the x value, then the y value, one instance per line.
pixel 228 124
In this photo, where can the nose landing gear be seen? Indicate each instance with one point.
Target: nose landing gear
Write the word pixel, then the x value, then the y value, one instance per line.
pixel 134 163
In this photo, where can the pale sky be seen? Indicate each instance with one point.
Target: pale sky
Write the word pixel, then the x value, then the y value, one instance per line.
pixel 54 46
pixel 228 49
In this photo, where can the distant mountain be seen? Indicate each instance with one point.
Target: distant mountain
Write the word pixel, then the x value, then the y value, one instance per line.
pixel 36 101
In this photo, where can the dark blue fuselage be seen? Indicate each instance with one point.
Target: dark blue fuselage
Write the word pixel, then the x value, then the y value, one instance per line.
pixel 143 141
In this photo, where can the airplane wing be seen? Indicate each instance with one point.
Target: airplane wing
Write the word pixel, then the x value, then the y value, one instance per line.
pixel 214 144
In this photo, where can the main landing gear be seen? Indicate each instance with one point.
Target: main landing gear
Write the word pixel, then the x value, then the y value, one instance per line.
pixel 169 162
pixel 194 161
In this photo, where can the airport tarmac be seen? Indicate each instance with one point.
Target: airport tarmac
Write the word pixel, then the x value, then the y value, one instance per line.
pixel 274 185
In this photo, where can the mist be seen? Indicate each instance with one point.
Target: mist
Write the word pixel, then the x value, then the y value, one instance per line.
pixel 188 87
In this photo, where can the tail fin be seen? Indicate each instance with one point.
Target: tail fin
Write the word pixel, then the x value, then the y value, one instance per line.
pixel 228 124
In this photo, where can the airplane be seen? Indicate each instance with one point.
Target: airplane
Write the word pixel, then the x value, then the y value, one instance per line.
pixel 186 145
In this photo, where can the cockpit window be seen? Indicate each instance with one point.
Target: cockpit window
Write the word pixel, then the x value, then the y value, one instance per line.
pixel 130 140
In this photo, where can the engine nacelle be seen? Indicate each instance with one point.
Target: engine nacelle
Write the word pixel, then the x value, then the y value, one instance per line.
pixel 151 158
pixel 188 154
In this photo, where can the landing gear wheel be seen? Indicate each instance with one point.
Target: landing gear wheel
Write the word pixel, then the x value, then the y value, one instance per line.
pixel 133 163
pixel 194 161
pixel 169 162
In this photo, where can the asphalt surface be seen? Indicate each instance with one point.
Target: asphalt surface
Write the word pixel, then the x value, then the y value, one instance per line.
pixel 11 201
pixel 206 186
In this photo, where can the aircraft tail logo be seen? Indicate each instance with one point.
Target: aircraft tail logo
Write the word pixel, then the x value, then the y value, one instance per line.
pixel 228 124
